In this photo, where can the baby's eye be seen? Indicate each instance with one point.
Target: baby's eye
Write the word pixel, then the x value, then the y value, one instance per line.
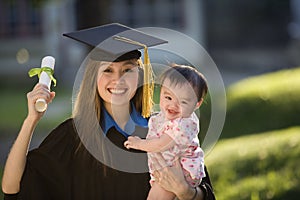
pixel 168 97
pixel 184 102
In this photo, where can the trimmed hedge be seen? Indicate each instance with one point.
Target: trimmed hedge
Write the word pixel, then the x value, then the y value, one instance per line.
pixel 262 103
pixel 262 166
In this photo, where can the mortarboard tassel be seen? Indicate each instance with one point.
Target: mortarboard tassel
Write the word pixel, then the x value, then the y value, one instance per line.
pixel 148 86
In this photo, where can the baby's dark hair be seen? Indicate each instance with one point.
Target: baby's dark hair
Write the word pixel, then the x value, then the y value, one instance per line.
pixel 181 74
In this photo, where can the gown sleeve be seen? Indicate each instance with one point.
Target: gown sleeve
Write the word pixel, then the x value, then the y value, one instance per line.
pixel 206 187
pixel 10 196
pixel 46 167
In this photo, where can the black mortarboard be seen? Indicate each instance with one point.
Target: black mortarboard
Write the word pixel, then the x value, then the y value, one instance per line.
pixel 107 46
pixel 116 42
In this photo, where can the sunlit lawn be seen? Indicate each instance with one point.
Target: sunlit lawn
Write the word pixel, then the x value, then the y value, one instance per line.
pixel 262 166
pixel 13 108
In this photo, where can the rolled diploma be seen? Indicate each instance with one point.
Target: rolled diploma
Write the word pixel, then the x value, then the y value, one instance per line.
pixel 48 61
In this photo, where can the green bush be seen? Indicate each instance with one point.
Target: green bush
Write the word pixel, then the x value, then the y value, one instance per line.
pixel 263 103
pixel 262 166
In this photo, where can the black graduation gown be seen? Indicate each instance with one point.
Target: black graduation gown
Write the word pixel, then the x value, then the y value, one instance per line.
pixel 61 168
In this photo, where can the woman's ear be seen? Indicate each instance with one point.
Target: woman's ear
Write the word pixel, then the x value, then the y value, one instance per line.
pixel 198 104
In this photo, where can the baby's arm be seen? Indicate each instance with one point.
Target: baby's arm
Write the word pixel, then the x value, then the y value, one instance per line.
pixel 150 145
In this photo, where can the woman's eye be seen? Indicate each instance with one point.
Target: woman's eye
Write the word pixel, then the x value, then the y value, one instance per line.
pixel 128 70
pixel 107 70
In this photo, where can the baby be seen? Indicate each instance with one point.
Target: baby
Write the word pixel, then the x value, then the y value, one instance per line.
pixel 174 130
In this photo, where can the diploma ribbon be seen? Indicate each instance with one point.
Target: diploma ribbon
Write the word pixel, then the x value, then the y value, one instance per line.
pixel 37 71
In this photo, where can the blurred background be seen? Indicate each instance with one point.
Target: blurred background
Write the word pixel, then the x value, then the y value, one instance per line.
pixel 254 43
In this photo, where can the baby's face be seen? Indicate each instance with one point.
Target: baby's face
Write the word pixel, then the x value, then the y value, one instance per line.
pixel 177 100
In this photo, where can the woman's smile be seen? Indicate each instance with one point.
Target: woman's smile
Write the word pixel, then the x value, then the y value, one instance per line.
pixel 117 91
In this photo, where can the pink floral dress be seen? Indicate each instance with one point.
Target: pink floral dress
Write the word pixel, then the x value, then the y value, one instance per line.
pixel 184 131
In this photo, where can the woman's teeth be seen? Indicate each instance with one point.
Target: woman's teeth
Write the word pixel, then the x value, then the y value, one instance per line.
pixel 117 91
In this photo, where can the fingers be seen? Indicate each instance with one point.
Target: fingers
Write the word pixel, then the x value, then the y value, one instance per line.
pixel 159 165
pixel 40 91
pixel 177 163
pixel 52 95
pixel 132 142
pixel 156 175
pixel 159 161
pixel 129 143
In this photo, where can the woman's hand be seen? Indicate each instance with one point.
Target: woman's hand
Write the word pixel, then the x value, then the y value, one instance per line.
pixel 39 91
pixel 172 179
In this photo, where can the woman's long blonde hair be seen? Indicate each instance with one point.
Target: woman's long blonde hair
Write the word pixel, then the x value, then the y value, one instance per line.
pixel 87 113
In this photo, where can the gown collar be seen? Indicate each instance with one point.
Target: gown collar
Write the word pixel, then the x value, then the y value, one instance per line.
pixel 135 120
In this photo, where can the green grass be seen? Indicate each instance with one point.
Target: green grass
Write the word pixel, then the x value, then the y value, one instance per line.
pixel 261 166
pixel 13 108
pixel 263 103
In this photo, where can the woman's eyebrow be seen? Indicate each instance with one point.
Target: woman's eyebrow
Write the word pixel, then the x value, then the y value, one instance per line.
pixel 129 62
pixel 107 64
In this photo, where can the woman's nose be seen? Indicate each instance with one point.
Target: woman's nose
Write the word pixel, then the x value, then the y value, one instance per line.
pixel 118 77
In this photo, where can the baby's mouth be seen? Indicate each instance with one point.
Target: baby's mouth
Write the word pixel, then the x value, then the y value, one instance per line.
pixel 173 112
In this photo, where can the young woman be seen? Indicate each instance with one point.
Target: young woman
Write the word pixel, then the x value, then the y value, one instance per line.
pixel 84 157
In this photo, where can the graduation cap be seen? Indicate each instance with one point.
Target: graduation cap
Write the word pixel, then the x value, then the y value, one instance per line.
pixel 116 42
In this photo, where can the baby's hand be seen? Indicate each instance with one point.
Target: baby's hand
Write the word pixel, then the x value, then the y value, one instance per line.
pixel 132 142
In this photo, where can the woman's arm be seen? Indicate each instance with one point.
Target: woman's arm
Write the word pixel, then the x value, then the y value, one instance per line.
pixel 150 145
pixel 15 163
pixel 16 160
